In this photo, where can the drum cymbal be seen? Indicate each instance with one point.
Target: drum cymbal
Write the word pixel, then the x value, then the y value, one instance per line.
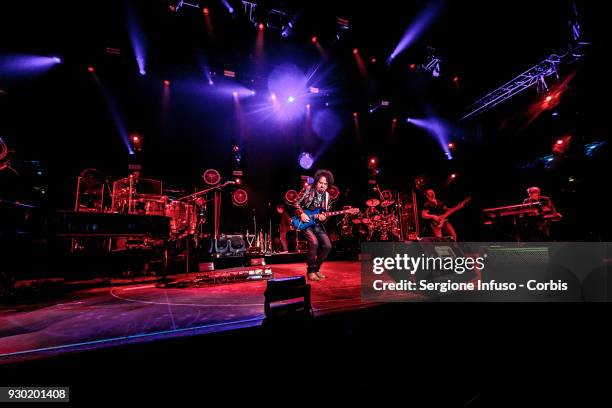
pixel 387 203
pixel 372 202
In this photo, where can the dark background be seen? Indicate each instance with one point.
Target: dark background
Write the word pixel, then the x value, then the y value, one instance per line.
pixel 61 119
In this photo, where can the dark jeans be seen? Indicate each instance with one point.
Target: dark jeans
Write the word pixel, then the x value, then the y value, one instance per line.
pixel 319 247
pixel 283 238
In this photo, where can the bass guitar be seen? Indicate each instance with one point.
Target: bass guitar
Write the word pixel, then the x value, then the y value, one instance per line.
pixel 435 224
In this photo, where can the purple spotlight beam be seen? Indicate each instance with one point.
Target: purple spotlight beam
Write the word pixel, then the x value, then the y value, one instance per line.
pixel 229 8
pixel 115 114
pixel 23 64
pixel 417 28
pixel 136 38
pixel 438 129
pixel 289 84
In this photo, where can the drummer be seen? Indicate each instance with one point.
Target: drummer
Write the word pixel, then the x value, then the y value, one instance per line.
pixel 372 211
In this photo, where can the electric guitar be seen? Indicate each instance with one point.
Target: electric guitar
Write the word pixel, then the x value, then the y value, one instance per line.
pixel 443 218
pixel 314 215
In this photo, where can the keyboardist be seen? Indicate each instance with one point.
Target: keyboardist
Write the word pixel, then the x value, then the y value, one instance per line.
pixel 541 225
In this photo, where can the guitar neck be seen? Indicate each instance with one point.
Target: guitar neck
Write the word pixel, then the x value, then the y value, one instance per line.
pixel 455 208
pixel 331 213
pixel 452 210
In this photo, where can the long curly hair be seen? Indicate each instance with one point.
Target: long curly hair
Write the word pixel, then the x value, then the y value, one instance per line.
pixel 329 176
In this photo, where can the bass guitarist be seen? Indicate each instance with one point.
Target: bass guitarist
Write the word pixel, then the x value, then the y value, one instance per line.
pixel 436 212
pixel 312 198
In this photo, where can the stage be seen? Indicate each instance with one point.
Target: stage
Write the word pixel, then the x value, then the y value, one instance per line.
pixel 108 316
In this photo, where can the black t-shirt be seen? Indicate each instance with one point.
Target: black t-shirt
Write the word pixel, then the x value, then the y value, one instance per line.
pixel 437 208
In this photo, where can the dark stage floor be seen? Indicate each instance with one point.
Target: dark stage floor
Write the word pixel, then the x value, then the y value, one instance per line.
pixel 101 317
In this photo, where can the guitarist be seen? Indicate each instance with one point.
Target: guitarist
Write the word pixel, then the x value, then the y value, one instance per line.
pixel 433 209
pixel 311 198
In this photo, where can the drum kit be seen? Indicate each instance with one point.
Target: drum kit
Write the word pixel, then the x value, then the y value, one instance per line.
pixel 143 196
pixel 183 216
pixel 378 222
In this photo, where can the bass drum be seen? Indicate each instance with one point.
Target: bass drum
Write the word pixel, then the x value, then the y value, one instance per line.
pixel 155 207
pixel 183 218
pixel 360 232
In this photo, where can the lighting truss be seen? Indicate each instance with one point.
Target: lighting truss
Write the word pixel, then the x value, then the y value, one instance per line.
pixel 191 3
pixel 276 17
pixel 249 11
pixel 433 66
pixel 178 4
pixel 536 75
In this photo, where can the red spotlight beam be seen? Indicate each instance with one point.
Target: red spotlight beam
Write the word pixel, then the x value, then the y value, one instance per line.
pixel 393 127
pixel 320 48
pixel 358 137
pixel 363 70
pixel 259 47
pixel 208 23
pixel 360 64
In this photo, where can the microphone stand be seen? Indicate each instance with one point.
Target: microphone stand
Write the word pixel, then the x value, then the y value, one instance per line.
pixel 191 197
pixel 203 192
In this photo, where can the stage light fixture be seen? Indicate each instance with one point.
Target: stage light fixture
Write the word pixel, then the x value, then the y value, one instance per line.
pixel 287 30
pixel 240 198
pixel 305 160
pixel 291 196
pixel 279 292
pixel 211 177
pixel 334 193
